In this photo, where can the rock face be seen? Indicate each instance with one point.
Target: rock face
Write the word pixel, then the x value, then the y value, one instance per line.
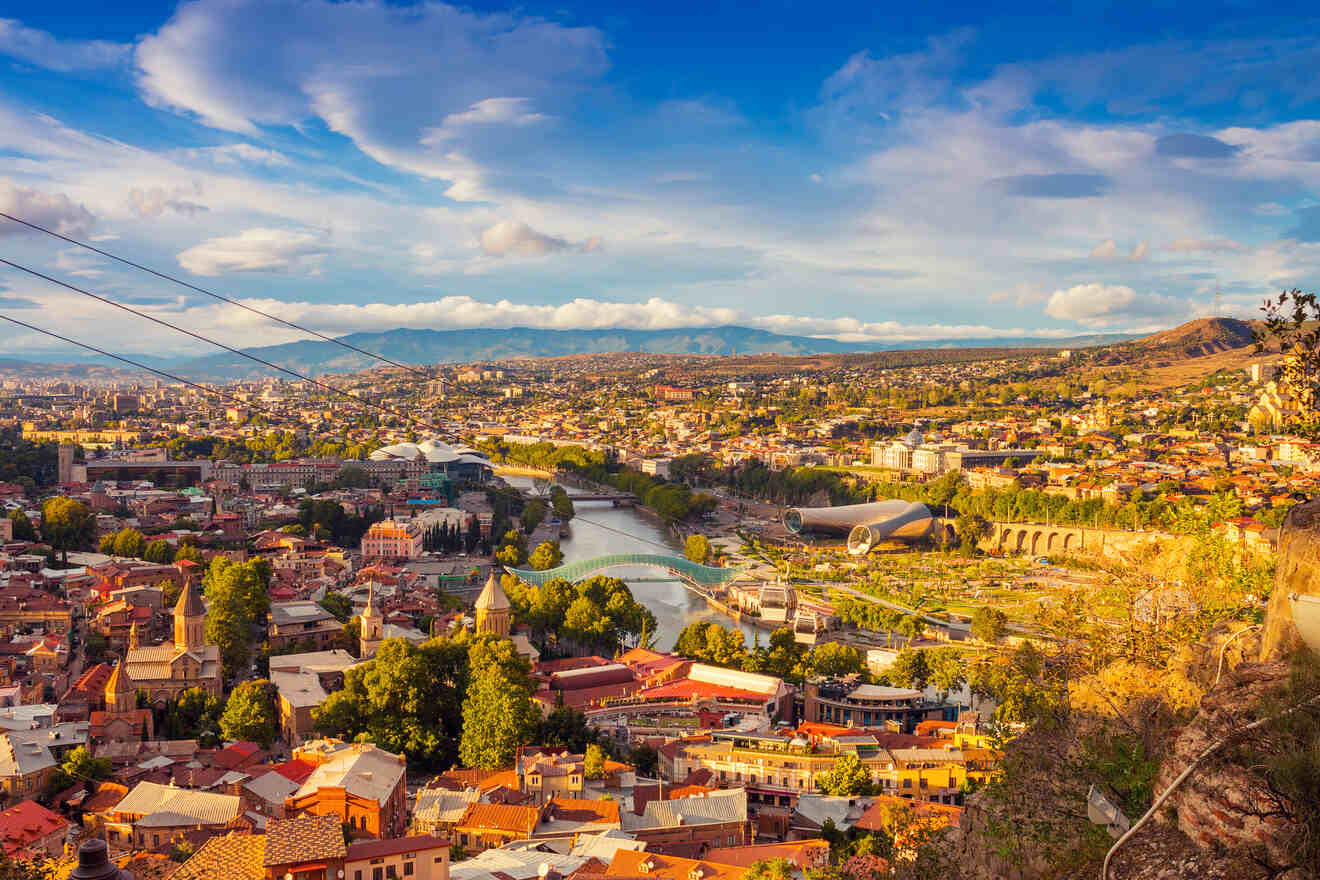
pixel 1297 571
pixel 1223 807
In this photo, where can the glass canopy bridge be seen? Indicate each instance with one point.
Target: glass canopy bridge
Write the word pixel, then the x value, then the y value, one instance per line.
pixel 694 574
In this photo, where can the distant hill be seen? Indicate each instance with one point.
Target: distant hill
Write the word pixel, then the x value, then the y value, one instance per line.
pixel 464 346
pixel 315 358
pixel 1195 339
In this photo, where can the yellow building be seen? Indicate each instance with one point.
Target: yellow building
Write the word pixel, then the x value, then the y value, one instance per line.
pixel 166 670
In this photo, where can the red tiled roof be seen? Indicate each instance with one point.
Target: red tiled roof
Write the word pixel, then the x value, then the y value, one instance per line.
pixel 687 688
pixel 373 849
pixel 25 823
pixel 501 817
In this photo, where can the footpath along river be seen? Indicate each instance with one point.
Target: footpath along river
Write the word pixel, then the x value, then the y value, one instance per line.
pixel 600 528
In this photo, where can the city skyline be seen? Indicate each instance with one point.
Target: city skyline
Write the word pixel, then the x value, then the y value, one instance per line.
pixel 871 176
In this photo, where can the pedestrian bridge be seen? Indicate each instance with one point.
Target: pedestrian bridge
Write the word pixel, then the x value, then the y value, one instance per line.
pixel 705 577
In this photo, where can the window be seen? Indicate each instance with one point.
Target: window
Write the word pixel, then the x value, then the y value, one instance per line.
pixel 357 875
pixel 377 874
pixel 391 872
pixel 407 869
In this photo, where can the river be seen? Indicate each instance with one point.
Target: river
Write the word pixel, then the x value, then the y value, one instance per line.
pixel 599 528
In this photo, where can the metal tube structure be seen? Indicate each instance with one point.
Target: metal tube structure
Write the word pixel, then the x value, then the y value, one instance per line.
pixel 865 525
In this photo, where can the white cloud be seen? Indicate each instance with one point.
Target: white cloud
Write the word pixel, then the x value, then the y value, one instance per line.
pixel 422 88
pixel 153 201
pixel 66 56
pixel 1187 245
pixel 255 250
pixel 56 212
pixel 1106 304
pixel 491 111
pixel 1139 252
pixel 510 238
pixel 1106 250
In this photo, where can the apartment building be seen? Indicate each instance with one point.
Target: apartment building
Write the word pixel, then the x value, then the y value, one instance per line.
pixel 393 539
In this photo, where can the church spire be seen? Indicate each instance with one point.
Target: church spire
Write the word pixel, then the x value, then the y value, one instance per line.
pixel 189 620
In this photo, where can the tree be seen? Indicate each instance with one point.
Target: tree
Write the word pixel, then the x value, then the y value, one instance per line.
pixel 988 624
pixel 407 699
pixel 498 712
pixel 562 503
pixel 771 869
pixel 593 763
pixel 1290 322
pixel 188 553
pixel 159 552
pixel 566 728
pixel 847 778
pixel 836 658
pixel 909 669
pixel 533 515
pixel 106 546
pixel 911 627
pixel 129 543
pixel 23 528
pixel 79 766
pixel 547 555
pixel 697 549
pixel 338 605
pixel 237 598
pixel 194 714
pixel 67 525
pixel 250 713
pixel 645 761
pixel 512 551
pixel 947 671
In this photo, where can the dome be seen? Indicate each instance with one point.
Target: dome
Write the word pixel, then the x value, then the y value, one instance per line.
pixel 913 438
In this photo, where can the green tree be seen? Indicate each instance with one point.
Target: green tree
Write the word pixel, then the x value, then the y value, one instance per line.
pixel 566 728
pixel 836 658
pixel 106 545
pixel 67 525
pixel 159 552
pixel 189 553
pixel 129 543
pixel 407 699
pixel 23 528
pixel 547 555
pixel 988 624
pixel 847 778
pixel 909 669
pixel 338 605
pixel 562 503
pixel 593 763
pixel 194 714
pixel 250 714
pixel 771 869
pixel 645 760
pixel 697 549
pixel 237 598
pixel 533 515
pixel 79 766
pixel 498 712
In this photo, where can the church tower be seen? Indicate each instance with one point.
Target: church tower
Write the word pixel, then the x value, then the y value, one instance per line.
pixel 134 637
pixel 493 609
pixel 189 620
pixel 120 695
pixel 372 625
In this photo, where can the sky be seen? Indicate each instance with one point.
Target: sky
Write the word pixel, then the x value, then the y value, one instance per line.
pixel 866 172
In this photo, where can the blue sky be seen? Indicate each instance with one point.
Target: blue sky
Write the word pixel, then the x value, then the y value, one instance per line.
pixel 858 171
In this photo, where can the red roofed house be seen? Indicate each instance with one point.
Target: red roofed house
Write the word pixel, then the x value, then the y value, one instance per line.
pixel 421 858
pixel 28 829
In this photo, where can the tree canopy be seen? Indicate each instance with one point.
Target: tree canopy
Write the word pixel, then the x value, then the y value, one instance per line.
pixel 251 714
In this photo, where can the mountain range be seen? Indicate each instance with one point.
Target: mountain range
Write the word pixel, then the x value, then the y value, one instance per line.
pixel 314 357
